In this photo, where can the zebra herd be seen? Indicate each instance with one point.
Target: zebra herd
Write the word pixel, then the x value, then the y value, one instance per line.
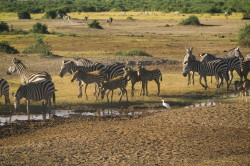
pixel 107 78
pixel 211 65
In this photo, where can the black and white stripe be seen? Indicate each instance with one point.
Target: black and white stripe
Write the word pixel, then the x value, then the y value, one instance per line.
pixel 245 66
pixel 146 75
pixel 115 70
pixel 4 90
pixel 115 83
pixel 37 91
pixel 89 78
pixel 216 68
pixel 25 74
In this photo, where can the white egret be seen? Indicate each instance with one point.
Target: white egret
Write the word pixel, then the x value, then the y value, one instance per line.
pixel 165 104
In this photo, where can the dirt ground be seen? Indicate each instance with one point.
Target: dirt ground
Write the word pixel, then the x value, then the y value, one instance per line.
pixel 212 135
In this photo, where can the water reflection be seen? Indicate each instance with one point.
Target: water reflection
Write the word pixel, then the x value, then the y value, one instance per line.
pixel 202 104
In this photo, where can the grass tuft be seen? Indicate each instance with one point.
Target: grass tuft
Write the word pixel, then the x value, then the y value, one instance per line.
pixel 132 53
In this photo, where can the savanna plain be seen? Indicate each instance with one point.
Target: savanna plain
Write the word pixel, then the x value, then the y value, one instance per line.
pixel 183 135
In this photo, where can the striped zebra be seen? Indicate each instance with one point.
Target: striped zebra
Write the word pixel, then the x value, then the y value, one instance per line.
pixel 146 75
pixel 89 78
pixel 235 52
pixel 133 77
pixel 234 63
pixel 115 83
pixel 25 74
pixel 216 68
pixel 70 67
pixel 82 61
pixel 37 91
pixel 245 68
pixel 188 57
pixel 115 70
pixel 4 91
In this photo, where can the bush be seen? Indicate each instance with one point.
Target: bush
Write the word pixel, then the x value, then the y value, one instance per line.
pixel 5 47
pixel 191 20
pixel 50 14
pixel 246 15
pixel 244 36
pixel 23 15
pixel 40 28
pixel 4 26
pixel 132 53
pixel 39 47
pixel 95 24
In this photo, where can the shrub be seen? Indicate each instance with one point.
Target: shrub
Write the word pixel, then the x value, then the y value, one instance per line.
pixel 244 36
pixel 23 15
pixel 5 47
pixel 191 20
pixel 246 15
pixel 40 28
pixel 4 26
pixel 95 24
pixel 50 14
pixel 132 53
pixel 130 18
pixel 39 47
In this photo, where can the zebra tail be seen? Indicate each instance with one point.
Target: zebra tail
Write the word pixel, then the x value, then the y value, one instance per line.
pixel 54 98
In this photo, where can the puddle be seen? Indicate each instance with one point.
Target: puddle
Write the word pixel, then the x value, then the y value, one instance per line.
pixel 66 113
pixel 204 104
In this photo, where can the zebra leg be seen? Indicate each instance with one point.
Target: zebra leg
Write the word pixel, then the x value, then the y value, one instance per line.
pixel 231 77
pixel 121 94
pixel 205 79
pixel 80 84
pixel 28 103
pixel 108 96
pixel 189 75
pixel 146 87
pixel 7 99
pixel 193 78
pixel 126 93
pixel 132 89
pixel 212 79
pixel 158 85
pixel 85 91
pixel 112 96
pixel 201 82
pixel 142 88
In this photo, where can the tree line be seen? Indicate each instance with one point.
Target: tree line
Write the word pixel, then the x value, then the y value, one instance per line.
pixel 183 6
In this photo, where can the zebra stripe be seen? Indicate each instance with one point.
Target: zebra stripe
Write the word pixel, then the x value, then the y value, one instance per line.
pixel 83 62
pixel 216 68
pixel 235 52
pixel 89 78
pixel 115 70
pixel 134 78
pixel 25 74
pixel 36 91
pixel 4 90
pixel 149 75
pixel 115 83
pixel 245 66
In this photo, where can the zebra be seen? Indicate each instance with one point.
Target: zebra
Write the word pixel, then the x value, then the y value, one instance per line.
pixel 146 75
pixel 217 67
pixel 82 61
pixel 134 78
pixel 234 63
pixel 242 87
pixel 25 74
pixel 70 67
pixel 115 83
pixel 4 90
pixel 109 20
pixel 245 69
pixel 88 78
pixel 235 52
pixel 189 56
pixel 37 91
pixel 115 70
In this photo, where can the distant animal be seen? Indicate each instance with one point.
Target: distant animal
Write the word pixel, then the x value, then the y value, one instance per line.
pixel 66 17
pixel 85 18
pixel 89 78
pixel 242 87
pixel 38 91
pixel 146 75
pixel 109 20
pixel 165 104
pixel 119 82
pixel 4 91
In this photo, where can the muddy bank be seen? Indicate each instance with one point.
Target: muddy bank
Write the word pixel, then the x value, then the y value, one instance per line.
pixel 212 135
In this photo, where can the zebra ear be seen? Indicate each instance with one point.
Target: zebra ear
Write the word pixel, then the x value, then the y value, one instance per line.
pixel 237 48
pixel 13 94
pixel 191 49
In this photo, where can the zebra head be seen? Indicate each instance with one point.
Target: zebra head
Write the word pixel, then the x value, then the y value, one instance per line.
pixel 12 67
pixel 236 52
pixel 16 100
pixel 103 90
pixel 189 55
pixel 66 67
pixel 186 68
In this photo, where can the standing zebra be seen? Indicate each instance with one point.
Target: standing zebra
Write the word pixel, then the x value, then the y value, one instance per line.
pixel 234 63
pixel 4 90
pixel 38 91
pixel 217 67
pixel 146 75
pixel 25 74
pixel 115 83
pixel 134 78
pixel 188 57
pixel 82 61
pixel 115 70
pixel 70 67
pixel 235 52
pixel 245 66
pixel 88 78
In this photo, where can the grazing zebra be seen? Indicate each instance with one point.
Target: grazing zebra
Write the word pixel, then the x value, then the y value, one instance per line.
pixel 89 78
pixel 25 74
pixel 4 90
pixel 245 66
pixel 37 91
pixel 234 63
pixel 115 83
pixel 146 75
pixel 217 67
pixel 134 78
pixel 189 56
pixel 70 67
pixel 82 61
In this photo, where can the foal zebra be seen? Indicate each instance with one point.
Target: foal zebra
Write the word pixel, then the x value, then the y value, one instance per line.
pixel 88 78
pixel 38 91
pixel 146 75
pixel 188 57
pixel 25 74
pixel 134 78
pixel 115 83
pixel 217 67
pixel 4 91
